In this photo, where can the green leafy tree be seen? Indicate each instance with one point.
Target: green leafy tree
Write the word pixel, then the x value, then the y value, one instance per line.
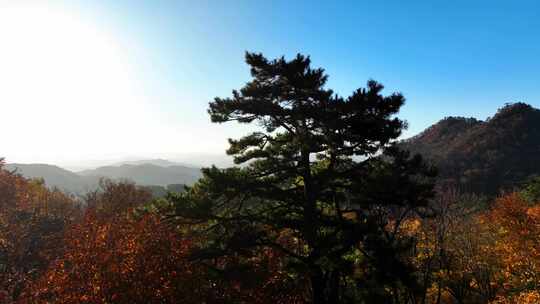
pixel 531 190
pixel 322 171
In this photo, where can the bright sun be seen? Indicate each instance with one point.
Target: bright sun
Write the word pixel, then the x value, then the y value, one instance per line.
pixel 63 82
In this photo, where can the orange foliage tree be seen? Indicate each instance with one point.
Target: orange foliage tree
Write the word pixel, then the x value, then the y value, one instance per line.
pixel 32 222
pixel 489 256
pixel 517 225
pixel 122 260
pixel 453 253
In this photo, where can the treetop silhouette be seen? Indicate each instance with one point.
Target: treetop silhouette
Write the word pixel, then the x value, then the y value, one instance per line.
pixel 323 182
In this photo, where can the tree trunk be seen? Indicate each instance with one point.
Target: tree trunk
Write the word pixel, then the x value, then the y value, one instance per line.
pixel 310 227
pixel 318 287
pixel 333 287
pixel 316 276
pixel 325 289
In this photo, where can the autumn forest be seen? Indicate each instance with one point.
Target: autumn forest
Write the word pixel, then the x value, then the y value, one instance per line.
pixel 326 203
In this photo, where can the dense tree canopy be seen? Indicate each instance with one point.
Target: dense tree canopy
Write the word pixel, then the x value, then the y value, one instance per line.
pixel 32 222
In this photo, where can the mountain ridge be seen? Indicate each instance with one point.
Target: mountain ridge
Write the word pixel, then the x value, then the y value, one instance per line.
pixel 483 157
pixel 143 174
pixel 147 174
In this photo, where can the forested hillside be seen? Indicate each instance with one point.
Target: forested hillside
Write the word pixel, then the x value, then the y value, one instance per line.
pixel 484 157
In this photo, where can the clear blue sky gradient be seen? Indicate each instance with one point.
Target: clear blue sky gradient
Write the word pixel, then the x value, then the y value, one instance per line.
pixel 463 58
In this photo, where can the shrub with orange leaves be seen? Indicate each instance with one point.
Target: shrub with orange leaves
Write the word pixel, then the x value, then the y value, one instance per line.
pixel 528 297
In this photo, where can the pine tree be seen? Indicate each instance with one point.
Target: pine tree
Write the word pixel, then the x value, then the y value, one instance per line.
pixel 322 170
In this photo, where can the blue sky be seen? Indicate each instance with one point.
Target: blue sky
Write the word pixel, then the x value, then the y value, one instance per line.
pixel 463 58
pixel 451 58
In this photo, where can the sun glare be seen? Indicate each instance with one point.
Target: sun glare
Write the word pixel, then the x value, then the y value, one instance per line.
pixel 64 82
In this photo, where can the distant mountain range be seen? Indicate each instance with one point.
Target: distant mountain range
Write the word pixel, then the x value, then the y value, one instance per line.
pixel 55 176
pixel 195 160
pixel 147 173
pixel 483 157
pixel 157 172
